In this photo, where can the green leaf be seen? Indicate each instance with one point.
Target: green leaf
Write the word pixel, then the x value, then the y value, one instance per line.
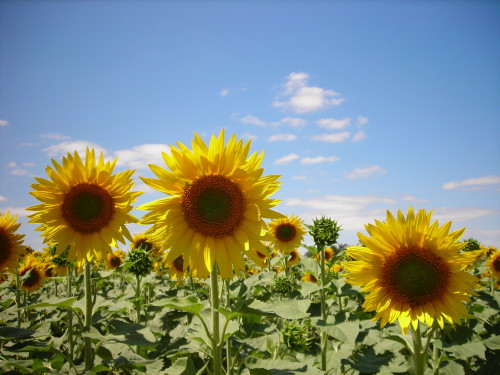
pixel 492 343
pixel 344 332
pixel 467 350
pixel 183 366
pixel 279 367
pixel 15 333
pixel 104 353
pixel 190 304
pixel 451 368
pixel 54 302
pixel 58 362
pixel 308 288
pixel 287 309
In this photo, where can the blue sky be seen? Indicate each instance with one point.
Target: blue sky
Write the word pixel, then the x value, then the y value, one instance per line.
pixel 361 106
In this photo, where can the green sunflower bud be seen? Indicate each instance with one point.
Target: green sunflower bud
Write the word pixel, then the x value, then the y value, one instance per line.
pixel 282 285
pixel 324 232
pixel 143 265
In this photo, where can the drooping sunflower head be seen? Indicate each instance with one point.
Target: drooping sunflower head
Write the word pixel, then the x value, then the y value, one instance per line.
pixel 84 205
pixel 286 234
pixel 494 264
pixel 114 259
pixel 217 200
pixel 11 243
pixel 31 274
pixel 294 257
pixel 412 269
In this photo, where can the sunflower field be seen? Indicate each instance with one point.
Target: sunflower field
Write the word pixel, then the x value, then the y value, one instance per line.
pixel 216 284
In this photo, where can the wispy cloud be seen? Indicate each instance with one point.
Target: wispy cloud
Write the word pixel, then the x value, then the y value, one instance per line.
pixel 15 170
pixel 2 199
pixel 57 136
pixel 412 199
pixel 299 178
pixel 63 148
pixel 301 98
pixel 286 159
pixel 293 122
pixel 138 157
pixel 319 160
pixel 16 211
pixel 332 137
pixel 359 136
pixel 286 137
pixel 334 124
pixel 224 92
pixel 4 123
pixel 366 172
pixel 472 183
pixel 362 120
pixel 462 214
pixel 252 120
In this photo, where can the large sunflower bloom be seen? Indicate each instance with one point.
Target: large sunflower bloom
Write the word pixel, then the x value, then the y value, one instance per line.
pixel 84 205
pixel 11 244
pixel 286 234
pixel 412 270
pixel 217 201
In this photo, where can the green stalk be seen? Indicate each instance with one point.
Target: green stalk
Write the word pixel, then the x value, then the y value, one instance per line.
pixel 88 316
pixel 216 352
pixel 229 365
pixel 18 299
pixel 324 337
pixel 286 264
pixel 418 353
pixel 70 317
pixel 138 298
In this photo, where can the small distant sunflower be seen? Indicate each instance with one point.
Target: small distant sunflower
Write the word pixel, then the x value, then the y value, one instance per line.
pixel 412 270
pixel 294 258
pixel 309 278
pixel 177 268
pixel 146 242
pixel 329 254
pixel 32 273
pixel 115 259
pixel 216 205
pixel 286 234
pixel 84 205
pixel 11 243
pixel 494 264
pixel 336 268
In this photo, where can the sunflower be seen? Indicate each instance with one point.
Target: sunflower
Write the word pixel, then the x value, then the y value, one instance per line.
pixel 412 270
pixel 176 268
pixel 286 234
pixel 84 205
pixel 31 274
pixel 329 253
pixel 336 268
pixel 494 264
pixel 114 259
pixel 216 204
pixel 309 278
pixel 146 242
pixel 294 258
pixel 11 247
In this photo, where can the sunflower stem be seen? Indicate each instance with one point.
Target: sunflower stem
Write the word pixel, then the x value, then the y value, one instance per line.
pixel 88 316
pixel 70 316
pixel 18 299
pixel 138 298
pixel 216 352
pixel 324 337
pixel 418 354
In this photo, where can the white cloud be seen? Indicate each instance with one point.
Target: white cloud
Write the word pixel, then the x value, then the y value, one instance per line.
pixel 332 137
pixel 4 123
pixel 2 199
pixel 293 122
pixel 224 92
pixel 286 137
pixel 63 148
pixel 360 135
pixel 286 159
pixel 12 164
pixel 299 178
pixel 303 98
pixel 29 164
pixel 252 120
pixel 472 182
pixel 138 157
pixel 319 159
pixel 461 214
pixel 366 172
pixel 249 136
pixel 412 199
pixel 15 170
pixel 334 124
pixel 362 120
pixel 16 211
pixel 57 136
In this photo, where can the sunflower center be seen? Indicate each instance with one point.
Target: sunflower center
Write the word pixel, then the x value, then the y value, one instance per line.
pixel 415 275
pixel 213 206
pixel 115 261
pixel 285 232
pixel 144 244
pixel 88 208
pixel 179 263
pixel 4 244
pixel 496 264
pixel 33 277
